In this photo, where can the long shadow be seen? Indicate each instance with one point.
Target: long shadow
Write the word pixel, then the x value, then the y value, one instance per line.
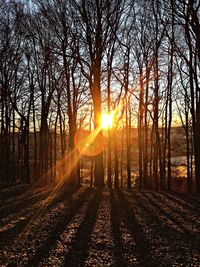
pixel 166 230
pixel 126 254
pixel 116 233
pixel 25 192
pixel 57 229
pixel 186 232
pixel 13 192
pixel 22 204
pixel 6 237
pixel 138 232
pixel 186 237
pixel 21 195
pixel 80 246
pixel 179 200
pixel 31 195
pixel 194 200
pixel 31 201
pixel 179 212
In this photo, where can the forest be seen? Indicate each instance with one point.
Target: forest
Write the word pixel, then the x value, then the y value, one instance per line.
pixel 99 133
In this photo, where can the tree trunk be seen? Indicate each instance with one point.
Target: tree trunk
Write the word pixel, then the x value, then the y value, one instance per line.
pixel 96 95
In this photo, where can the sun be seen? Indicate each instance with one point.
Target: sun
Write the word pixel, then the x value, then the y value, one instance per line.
pixel 107 121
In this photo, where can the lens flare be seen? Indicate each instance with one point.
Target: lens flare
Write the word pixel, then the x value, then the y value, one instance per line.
pixel 89 143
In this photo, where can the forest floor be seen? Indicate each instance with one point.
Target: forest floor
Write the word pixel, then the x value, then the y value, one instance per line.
pixel 98 227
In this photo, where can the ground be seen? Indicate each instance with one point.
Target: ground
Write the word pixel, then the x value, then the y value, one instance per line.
pixel 98 227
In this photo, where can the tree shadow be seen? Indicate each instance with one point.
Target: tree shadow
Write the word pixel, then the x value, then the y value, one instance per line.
pixel 186 232
pixel 137 231
pixel 56 230
pixel 26 201
pixel 116 233
pixel 7 236
pixel 179 197
pixel 80 246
